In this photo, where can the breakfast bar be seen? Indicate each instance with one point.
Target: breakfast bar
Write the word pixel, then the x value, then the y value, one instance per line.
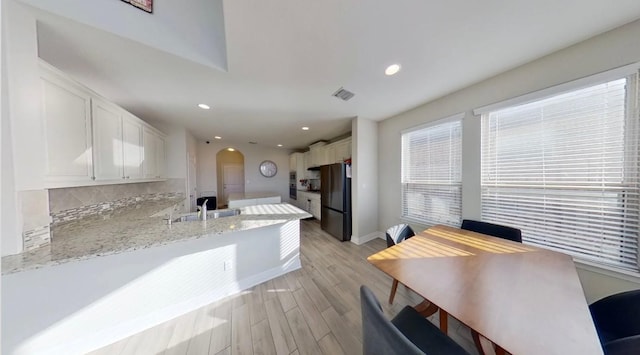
pixel 109 276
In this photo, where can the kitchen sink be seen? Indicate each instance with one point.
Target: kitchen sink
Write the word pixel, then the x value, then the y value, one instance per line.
pixel 210 215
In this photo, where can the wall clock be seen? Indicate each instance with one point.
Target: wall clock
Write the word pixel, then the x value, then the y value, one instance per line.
pixel 268 168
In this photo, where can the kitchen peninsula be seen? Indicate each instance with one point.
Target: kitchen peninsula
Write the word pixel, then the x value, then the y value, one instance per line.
pixel 109 276
pixel 241 199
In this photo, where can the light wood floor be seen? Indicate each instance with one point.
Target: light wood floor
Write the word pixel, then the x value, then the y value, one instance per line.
pixel 314 310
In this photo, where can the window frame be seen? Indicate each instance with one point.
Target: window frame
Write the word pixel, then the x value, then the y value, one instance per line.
pixel 449 119
pixel 632 106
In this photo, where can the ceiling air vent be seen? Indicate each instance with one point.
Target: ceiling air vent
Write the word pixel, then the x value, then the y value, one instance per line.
pixel 343 94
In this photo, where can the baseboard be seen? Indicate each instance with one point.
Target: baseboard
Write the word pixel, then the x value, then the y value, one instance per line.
pixel 134 326
pixel 366 238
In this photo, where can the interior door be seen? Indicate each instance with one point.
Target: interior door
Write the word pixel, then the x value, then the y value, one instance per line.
pixel 232 180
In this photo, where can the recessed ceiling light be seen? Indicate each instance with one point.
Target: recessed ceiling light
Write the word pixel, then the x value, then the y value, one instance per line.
pixel 204 107
pixel 305 128
pixel 392 69
pixel 231 149
pixel 217 137
pixel 279 145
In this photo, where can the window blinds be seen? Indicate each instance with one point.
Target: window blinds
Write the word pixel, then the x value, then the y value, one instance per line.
pixel 431 173
pixel 565 170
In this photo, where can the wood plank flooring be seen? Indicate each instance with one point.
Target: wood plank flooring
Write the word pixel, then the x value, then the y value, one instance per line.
pixel 314 310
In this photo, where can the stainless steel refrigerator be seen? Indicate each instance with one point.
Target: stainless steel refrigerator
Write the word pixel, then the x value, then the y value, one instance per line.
pixel 335 192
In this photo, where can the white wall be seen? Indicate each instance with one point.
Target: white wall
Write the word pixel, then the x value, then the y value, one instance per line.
pixel 23 148
pixel 253 155
pixel 67 309
pixel 192 30
pixel 601 53
pixel 24 90
pixel 364 183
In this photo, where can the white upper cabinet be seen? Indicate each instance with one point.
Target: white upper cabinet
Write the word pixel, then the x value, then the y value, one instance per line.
pixel 342 150
pixel 67 118
pixel 89 138
pixel 132 150
pixel 161 161
pixel 107 140
pixel 154 161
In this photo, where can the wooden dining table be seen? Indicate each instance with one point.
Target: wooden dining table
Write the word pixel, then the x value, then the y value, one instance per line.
pixel 525 299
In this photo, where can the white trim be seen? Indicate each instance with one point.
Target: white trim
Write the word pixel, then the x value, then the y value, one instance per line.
pixel 595 79
pixel 454 117
pixel 608 271
pixel 366 238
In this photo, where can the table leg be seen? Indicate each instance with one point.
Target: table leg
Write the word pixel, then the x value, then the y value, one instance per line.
pixel 426 308
pixel 444 321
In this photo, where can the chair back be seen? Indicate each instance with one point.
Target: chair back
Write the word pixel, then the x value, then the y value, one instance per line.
pixel 494 230
pixel 398 233
pixel 379 335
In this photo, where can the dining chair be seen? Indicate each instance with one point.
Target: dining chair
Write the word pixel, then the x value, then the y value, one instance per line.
pixel 494 230
pixel 617 321
pixel 395 235
pixel 407 333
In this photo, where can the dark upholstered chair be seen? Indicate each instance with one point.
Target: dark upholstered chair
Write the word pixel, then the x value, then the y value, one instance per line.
pixel 395 235
pixel 617 320
pixel 494 230
pixel 408 333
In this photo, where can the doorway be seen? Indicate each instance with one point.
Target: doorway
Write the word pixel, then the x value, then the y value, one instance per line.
pixel 230 174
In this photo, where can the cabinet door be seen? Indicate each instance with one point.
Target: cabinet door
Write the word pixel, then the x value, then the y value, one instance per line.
pixel 67 119
pixel 329 154
pixel 161 161
pixel 132 147
pixel 292 162
pixel 315 208
pixel 107 141
pixel 150 162
pixel 342 151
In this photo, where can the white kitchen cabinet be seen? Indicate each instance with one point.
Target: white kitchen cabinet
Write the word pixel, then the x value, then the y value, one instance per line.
pixel 315 206
pixel 317 153
pixel 329 154
pixel 307 164
pixel 342 150
pixel 132 151
pixel 67 122
pixel 154 162
pixel 90 140
pixel 293 162
pixel 107 140
pixel 161 158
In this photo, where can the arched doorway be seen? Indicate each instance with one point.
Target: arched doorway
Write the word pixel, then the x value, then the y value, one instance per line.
pixel 230 174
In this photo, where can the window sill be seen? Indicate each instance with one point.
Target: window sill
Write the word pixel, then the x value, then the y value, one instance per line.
pixel 607 271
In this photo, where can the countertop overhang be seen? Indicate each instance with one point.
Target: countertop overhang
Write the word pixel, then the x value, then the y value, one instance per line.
pixel 138 227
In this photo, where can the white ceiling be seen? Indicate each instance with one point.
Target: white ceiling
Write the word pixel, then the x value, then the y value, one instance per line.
pixel 286 57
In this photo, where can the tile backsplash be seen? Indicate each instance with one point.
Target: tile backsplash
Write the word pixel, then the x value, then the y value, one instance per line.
pixel 68 204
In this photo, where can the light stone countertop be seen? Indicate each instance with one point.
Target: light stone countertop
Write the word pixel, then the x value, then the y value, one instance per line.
pixel 234 196
pixel 138 227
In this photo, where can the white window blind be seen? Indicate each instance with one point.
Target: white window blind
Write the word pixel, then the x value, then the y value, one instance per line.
pixel 431 173
pixel 565 170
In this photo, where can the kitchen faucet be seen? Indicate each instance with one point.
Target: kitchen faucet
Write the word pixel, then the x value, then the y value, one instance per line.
pixel 203 210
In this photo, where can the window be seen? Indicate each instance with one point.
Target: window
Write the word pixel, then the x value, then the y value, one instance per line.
pixel 564 169
pixel 431 173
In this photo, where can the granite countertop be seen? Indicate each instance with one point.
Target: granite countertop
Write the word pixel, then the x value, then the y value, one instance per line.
pixel 234 196
pixel 310 191
pixel 138 227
